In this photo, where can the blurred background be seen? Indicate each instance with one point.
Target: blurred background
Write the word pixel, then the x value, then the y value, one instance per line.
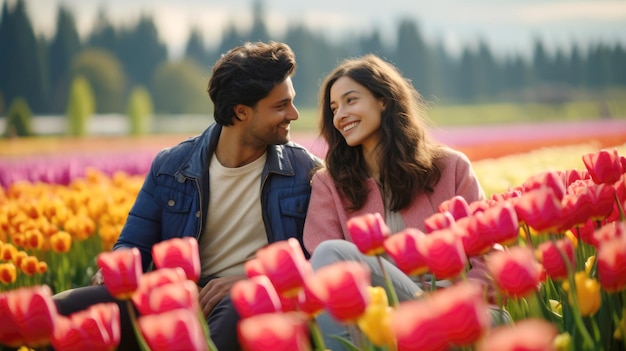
pixel 84 67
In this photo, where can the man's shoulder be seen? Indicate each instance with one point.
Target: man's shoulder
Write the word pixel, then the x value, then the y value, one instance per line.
pixel 300 153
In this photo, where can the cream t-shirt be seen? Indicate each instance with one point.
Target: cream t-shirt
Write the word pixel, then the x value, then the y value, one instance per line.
pixel 234 228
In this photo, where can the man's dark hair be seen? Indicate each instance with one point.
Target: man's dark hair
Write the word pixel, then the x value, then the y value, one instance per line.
pixel 247 74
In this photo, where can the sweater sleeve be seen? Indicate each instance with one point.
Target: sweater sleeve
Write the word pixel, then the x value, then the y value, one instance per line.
pixel 467 184
pixel 323 220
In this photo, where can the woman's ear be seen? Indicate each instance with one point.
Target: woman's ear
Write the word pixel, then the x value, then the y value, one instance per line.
pixel 242 112
pixel 382 103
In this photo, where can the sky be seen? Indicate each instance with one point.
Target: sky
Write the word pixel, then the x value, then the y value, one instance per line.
pixel 508 26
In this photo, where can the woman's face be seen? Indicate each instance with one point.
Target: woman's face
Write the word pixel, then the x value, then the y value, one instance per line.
pixel 356 113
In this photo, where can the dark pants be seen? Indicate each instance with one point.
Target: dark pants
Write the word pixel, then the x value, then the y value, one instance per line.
pixel 222 320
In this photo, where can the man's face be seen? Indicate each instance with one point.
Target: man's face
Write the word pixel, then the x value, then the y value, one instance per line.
pixel 272 115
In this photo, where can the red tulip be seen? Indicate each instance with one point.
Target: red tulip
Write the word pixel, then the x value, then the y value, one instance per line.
pixel 444 254
pixel 604 166
pixel 34 313
pixel 602 199
pixel 342 287
pixel 417 326
pixel 516 272
pixel 368 232
pixel 154 279
pixel 550 179
pixel 308 302
pixel 550 252
pixel 275 331
pixel 178 252
pixel 172 296
pixel 173 330
pixel 509 194
pixel 253 267
pixel 611 258
pixel 121 270
pixel 438 220
pixel 575 211
pixel 96 329
pixel 285 265
pixel 402 248
pixel 457 206
pixel 255 296
pixel 463 308
pixel 526 334
pixel 475 243
pixel 499 223
pixel 540 209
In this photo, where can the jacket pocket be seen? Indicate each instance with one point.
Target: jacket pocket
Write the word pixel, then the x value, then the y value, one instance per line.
pixel 173 201
pixel 294 206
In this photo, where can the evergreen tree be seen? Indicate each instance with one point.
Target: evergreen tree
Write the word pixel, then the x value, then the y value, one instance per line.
pixel 412 57
pixel 80 107
pixel 139 111
pixel 19 119
pixel 195 48
pixel 21 70
pixel 104 35
pixel 64 46
pixel 259 29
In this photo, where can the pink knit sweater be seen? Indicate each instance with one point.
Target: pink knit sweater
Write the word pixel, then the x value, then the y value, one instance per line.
pixel 327 217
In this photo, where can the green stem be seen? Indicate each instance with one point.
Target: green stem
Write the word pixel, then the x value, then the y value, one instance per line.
pixel 207 332
pixel 316 335
pixel 528 236
pixel 143 346
pixel 622 216
pixel 393 297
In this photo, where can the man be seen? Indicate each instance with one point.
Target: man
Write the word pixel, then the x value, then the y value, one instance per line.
pixel 238 186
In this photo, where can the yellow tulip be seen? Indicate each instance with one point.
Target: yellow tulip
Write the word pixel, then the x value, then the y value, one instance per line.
pixel 588 293
pixel 8 273
pixel 376 321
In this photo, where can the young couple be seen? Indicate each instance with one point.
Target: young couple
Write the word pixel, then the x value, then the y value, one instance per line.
pixel 242 184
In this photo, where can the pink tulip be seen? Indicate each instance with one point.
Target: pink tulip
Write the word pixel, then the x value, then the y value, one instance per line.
pixel 499 223
pixel 438 220
pixel 463 308
pixel 178 252
pixel 516 272
pixel 602 198
pixel 417 326
pixel 96 329
pixel 121 270
pixel 444 254
pixel 342 287
pixel 457 206
pixel 173 330
pixel 402 248
pixel 550 256
pixel 575 211
pixel 368 232
pixel 308 302
pixel 285 265
pixel 526 334
pixel 604 166
pixel 255 296
pixel 275 331
pixel 611 258
pixel 154 279
pixel 550 179
pixel 475 243
pixel 540 209
pixel 29 315
pixel 167 297
pixel 253 267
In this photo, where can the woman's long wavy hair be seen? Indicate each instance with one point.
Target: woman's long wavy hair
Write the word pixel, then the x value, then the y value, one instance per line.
pixel 408 156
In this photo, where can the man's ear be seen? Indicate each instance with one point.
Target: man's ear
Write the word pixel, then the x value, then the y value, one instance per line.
pixel 242 112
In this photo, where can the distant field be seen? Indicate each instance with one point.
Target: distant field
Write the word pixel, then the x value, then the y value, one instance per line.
pixel 503 113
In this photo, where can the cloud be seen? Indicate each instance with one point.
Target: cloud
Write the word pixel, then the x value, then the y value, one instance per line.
pixel 574 11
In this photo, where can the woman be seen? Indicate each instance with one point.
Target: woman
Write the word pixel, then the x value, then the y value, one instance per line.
pixel 380 159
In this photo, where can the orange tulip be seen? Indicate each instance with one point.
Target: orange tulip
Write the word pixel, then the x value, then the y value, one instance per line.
pixel 8 273
pixel 61 242
pixel 29 265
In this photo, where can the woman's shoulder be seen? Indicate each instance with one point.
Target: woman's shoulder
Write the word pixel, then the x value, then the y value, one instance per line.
pixel 452 156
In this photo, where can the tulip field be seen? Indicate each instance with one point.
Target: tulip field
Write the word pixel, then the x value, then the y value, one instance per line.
pixel 551 236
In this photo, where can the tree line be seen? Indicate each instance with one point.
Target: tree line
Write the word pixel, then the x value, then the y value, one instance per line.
pixel 113 62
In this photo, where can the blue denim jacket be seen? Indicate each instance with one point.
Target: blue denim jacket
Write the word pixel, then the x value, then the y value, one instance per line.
pixel 173 201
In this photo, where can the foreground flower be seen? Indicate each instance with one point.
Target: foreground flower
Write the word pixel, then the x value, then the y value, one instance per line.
pixel 588 296
pixel 182 331
pixel 172 296
pixel 611 258
pixel 551 255
pixel 151 281
pixel 274 331
pixel 416 326
pixel 444 254
pixel 285 265
pixel 376 322
pixel 403 249
pixel 121 270
pixel 95 329
pixel 604 166
pixel 516 271
pixel 527 335
pixel 343 287
pixel 255 296
pixel 28 316
pixel 178 252
pixel 368 232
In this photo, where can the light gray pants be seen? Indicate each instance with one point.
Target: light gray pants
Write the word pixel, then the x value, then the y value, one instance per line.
pixel 332 251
